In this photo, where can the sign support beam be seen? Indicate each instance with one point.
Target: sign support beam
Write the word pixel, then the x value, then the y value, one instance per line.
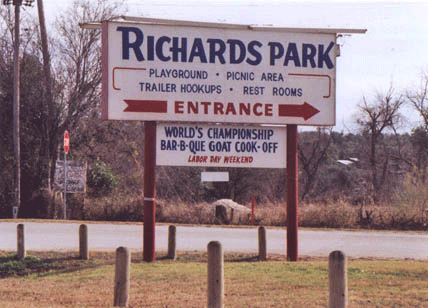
pixel 66 149
pixel 292 193
pixel 149 191
pixel 65 187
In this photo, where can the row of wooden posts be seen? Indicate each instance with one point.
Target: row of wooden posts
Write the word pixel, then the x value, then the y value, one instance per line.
pixel 83 242
pixel 172 231
pixel 337 278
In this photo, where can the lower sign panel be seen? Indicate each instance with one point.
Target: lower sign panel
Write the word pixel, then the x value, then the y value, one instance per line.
pixel 214 176
pixel 220 146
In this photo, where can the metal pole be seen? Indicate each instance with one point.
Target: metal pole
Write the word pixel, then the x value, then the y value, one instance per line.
pixel 149 191
pixel 16 103
pixel 65 185
pixel 292 193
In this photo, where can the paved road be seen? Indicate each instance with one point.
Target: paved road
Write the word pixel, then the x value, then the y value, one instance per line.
pixel 64 236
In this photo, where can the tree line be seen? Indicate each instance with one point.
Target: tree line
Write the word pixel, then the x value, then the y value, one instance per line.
pixel 375 163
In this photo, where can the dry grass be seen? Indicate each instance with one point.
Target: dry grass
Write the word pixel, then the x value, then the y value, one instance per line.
pixel 334 214
pixel 403 214
pixel 182 283
pixel 341 214
pixel 187 213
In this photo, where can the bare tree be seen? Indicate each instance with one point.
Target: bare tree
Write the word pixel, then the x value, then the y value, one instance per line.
pixel 418 98
pixel 78 63
pixel 312 154
pixel 75 97
pixel 375 118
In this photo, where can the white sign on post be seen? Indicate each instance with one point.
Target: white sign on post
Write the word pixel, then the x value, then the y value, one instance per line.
pixel 220 146
pixel 196 73
pixel 214 176
pixel 76 176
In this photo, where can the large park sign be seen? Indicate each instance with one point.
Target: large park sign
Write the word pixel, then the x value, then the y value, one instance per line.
pixel 227 74
pixel 181 71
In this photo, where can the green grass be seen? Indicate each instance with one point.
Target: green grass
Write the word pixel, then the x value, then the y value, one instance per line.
pixel 70 282
pixel 10 265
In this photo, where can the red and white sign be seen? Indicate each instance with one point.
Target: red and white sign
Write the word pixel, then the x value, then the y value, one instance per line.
pixel 66 142
pixel 216 73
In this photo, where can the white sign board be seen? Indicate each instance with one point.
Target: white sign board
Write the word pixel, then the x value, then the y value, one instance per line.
pixel 76 176
pixel 214 176
pixel 220 146
pixel 195 73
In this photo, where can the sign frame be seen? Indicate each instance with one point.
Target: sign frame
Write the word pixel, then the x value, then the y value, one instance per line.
pixel 291 112
pixel 149 106
pixel 222 146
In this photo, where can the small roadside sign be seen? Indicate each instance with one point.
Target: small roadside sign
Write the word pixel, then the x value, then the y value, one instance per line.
pixel 76 176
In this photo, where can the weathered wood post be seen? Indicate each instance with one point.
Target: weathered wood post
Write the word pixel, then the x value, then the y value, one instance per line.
pixel 262 244
pixel 83 242
pixel 21 253
pixel 337 280
pixel 215 275
pixel 121 277
pixel 172 230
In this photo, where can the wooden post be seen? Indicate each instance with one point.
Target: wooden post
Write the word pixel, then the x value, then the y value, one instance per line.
pixel 83 242
pixel 337 280
pixel 253 210
pixel 171 242
pixel 149 191
pixel 21 253
pixel 262 244
pixel 121 277
pixel 215 275
pixel 292 193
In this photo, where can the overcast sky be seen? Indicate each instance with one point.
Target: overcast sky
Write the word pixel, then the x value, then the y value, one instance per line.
pixel 393 51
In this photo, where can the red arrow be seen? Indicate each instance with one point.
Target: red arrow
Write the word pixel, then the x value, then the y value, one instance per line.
pixel 146 106
pixel 305 111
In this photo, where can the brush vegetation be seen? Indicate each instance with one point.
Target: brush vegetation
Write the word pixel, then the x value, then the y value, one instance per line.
pixel 333 214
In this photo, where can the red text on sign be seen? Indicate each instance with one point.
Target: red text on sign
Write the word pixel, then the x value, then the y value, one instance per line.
pixel 220 108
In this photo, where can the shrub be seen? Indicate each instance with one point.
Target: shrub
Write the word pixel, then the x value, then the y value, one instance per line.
pixel 101 179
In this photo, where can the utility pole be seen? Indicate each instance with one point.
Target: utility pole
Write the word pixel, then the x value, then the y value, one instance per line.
pixel 48 84
pixel 16 103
